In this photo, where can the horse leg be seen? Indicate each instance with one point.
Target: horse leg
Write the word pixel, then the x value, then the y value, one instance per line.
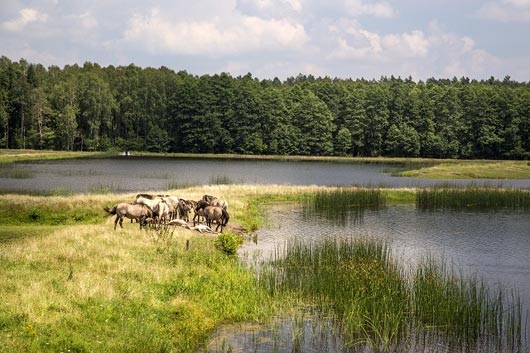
pixel 121 222
pixel 116 221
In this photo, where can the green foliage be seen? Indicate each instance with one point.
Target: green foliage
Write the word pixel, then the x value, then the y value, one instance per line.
pixel 131 108
pixel 228 242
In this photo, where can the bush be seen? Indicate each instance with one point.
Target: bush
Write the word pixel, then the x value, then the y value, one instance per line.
pixel 228 242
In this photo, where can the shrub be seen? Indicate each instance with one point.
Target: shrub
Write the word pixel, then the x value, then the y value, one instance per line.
pixel 228 242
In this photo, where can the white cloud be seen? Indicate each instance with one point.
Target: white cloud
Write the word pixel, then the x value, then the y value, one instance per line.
pixel 26 16
pixel 423 54
pixel 355 42
pixel 506 10
pixel 216 36
pixel 87 20
pixel 357 8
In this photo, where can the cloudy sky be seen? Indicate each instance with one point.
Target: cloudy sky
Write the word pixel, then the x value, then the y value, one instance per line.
pixel 277 38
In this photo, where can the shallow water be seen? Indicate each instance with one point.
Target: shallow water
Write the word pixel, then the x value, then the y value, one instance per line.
pixel 124 174
pixel 494 246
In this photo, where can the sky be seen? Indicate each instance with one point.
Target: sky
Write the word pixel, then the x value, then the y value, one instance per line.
pixel 277 38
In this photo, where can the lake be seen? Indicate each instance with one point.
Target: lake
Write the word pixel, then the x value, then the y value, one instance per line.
pixel 132 174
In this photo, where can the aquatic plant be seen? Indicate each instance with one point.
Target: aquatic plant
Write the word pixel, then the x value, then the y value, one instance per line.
pixel 344 204
pixel 220 180
pixel 13 171
pixel 472 197
pixel 177 184
pixel 375 301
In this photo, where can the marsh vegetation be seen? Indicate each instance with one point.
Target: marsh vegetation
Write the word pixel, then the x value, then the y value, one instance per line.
pixel 372 300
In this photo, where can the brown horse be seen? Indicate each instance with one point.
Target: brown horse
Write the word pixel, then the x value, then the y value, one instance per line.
pixel 183 209
pixel 214 201
pixel 138 212
pixel 213 213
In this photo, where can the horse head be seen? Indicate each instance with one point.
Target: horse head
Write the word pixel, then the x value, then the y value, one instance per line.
pixel 201 204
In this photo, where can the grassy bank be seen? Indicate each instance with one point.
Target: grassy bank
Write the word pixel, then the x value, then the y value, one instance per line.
pixel 473 170
pixel 69 282
pixel 10 156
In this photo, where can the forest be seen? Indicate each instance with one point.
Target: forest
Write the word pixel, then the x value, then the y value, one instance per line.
pixel 95 108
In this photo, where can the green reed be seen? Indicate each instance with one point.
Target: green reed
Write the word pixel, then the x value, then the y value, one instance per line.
pixel 472 197
pixel 343 204
pixel 174 184
pixel 13 171
pixel 356 283
pixel 221 180
pixel 464 311
pixel 374 301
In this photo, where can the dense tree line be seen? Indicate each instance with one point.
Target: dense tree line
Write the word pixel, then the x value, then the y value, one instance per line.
pixel 91 107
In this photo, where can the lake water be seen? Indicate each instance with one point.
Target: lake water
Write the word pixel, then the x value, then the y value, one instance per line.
pixel 126 174
pixel 494 246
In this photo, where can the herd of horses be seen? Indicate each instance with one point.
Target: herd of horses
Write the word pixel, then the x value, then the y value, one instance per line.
pixel 157 210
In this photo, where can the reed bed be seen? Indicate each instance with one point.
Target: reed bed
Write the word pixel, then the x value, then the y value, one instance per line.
pixel 344 204
pixel 221 180
pixel 472 197
pixel 375 301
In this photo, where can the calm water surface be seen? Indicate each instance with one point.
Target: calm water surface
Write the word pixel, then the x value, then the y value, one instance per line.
pixel 494 246
pixel 123 174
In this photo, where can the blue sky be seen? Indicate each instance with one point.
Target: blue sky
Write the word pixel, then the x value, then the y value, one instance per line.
pixel 277 38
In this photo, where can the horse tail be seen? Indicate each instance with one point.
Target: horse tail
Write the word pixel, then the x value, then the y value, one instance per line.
pixel 111 211
pixel 226 216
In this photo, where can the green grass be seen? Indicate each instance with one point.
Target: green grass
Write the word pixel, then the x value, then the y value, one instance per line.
pixel 344 204
pixel 10 156
pixel 473 170
pixel 91 289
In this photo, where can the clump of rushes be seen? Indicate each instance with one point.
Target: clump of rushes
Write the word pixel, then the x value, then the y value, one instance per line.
pixel 472 197
pixel 355 282
pixel 464 312
pixel 342 204
pixel 374 301
pixel 221 180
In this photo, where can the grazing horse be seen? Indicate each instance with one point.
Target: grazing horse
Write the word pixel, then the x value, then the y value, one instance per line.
pixel 213 213
pixel 183 209
pixel 159 207
pixel 138 212
pixel 173 203
pixel 214 201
